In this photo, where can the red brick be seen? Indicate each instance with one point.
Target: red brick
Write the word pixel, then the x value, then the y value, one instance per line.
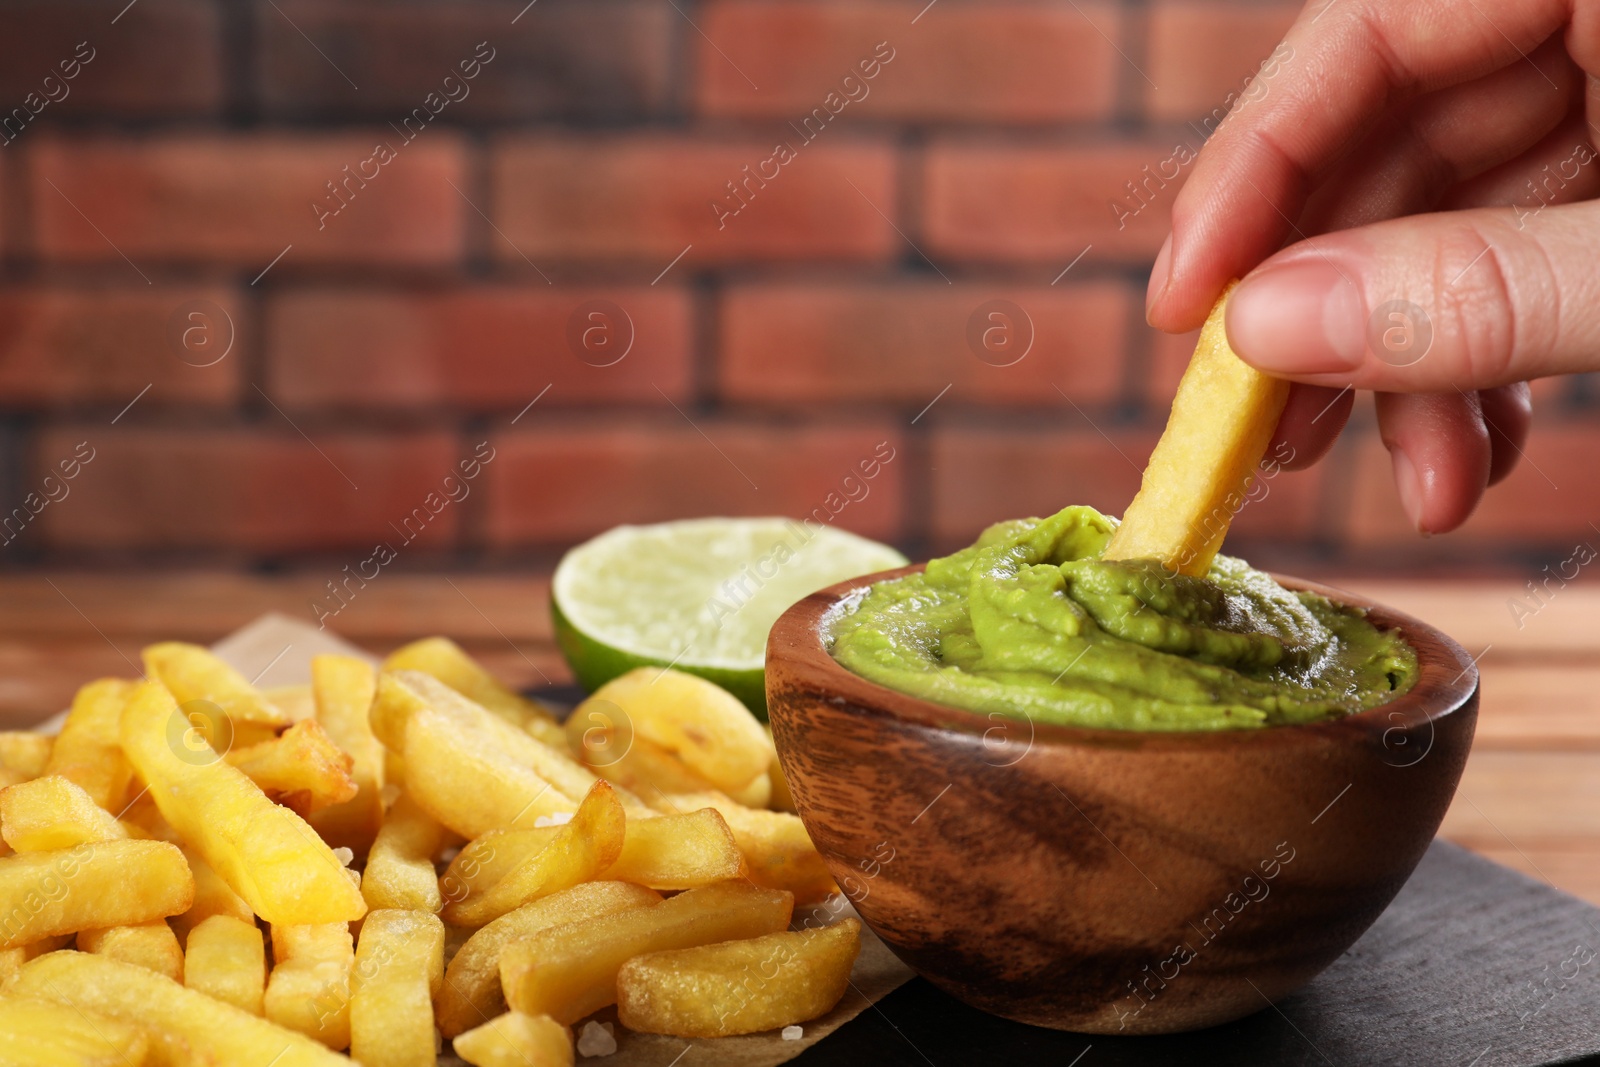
pixel 998 62
pixel 60 347
pixel 561 480
pixel 978 479
pixel 240 199
pixel 985 474
pixel 563 58
pixel 991 201
pixel 1547 501
pixel 161 58
pixel 646 197
pixel 904 342
pixel 262 488
pixel 487 348
pixel 1201 51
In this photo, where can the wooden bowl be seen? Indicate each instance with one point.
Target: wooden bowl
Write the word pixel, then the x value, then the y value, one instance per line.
pixel 1114 881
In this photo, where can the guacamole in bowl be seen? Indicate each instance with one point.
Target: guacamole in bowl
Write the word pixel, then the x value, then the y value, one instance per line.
pixel 1030 622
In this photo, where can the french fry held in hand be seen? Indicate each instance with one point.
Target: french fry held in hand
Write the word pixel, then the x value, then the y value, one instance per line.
pixel 444 660
pixel 739 987
pixel 342 689
pixel 187 1027
pixel 568 971
pixel 227 959
pixel 266 853
pixel 1223 417
pixel 301 768
pixel 109 883
pixel 37 1032
pixel 309 988
pixel 517 1040
pixel 577 852
pixel 50 813
pixel 151 945
pixel 471 991
pixel 399 964
pixel 87 752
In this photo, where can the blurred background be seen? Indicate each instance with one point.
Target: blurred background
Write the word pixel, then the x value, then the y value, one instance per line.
pixel 274 270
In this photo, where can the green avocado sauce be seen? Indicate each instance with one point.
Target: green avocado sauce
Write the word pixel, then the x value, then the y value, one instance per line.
pixel 1030 622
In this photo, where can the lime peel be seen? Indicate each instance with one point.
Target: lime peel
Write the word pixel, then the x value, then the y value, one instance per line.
pixel 698 594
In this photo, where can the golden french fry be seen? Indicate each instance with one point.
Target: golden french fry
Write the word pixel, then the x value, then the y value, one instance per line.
pixel 471 990
pixel 1223 417
pixel 400 872
pixel 39 1033
pixel 464 778
pixel 578 852
pixel 212 896
pixel 265 852
pixel 193 673
pixel 739 987
pixel 308 990
pixel 444 659
pixel 25 752
pixel 568 971
pixel 227 959
pixel 678 852
pixel 151 945
pixel 301 768
pixel 342 688
pixel 399 964
pixel 487 859
pixel 699 722
pixel 88 752
pixel 118 883
pixel 142 819
pixel 12 959
pixel 777 850
pixel 186 1027
pixel 516 1040
pixel 402 694
pixel 51 813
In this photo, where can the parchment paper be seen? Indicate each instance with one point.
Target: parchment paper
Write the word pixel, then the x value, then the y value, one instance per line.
pixel 276 650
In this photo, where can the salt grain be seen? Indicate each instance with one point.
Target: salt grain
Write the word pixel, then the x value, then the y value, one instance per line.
pixel 560 818
pixel 344 856
pixel 793 1033
pixel 596 1039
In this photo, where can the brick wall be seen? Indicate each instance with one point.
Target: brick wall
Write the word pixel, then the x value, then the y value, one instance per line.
pixel 274 270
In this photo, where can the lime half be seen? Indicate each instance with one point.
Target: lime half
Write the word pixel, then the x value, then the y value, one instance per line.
pixel 699 595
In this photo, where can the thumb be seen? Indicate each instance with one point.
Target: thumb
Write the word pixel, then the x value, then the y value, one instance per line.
pixel 1463 299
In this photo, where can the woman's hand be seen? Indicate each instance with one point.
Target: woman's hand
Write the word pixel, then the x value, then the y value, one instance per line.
pixel 1422 165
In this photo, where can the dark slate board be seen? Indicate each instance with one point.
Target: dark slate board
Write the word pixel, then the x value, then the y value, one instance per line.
pixel 1473 965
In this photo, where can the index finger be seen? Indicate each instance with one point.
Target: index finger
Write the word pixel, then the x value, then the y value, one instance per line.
pixel 1347 61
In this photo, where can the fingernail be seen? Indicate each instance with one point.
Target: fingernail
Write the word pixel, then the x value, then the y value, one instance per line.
pixel 1410 486
pixel 1160 272
pixel 1301 318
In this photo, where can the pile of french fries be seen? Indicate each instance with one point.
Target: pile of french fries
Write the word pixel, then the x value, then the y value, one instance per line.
pixel 196 871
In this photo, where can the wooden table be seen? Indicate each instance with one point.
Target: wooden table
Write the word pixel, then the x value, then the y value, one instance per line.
pixel 1530 798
